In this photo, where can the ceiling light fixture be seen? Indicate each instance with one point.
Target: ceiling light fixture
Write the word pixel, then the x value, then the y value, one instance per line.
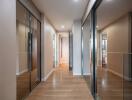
pixel 76 0
pixel 109 0
pixel 63 26
pixel 97 26
pixel 82 28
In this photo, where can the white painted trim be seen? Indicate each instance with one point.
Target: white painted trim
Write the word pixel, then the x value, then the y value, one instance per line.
pixel 19 73
pixel 124 77
pixel 48 75
pixel 77 74
pixel 115 73
pixel 87 74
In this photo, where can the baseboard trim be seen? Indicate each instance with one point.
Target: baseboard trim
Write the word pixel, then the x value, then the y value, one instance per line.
pixel 77 74
pixel 115 73
pixel 86 74
pixel 19 73
pixel 124 77
pixel 48 75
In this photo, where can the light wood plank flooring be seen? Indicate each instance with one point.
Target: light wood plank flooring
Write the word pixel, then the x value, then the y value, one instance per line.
pixel 113 87
pixel 62 85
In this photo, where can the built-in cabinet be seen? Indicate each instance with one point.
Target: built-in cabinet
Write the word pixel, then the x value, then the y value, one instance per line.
pixel 28 41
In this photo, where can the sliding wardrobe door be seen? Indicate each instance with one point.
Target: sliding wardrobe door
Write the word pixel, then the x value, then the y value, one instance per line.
pixel 35 70
pixel 22 72
pixel 28 39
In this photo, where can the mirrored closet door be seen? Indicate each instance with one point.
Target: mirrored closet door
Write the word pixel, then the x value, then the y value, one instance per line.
pixel 28 41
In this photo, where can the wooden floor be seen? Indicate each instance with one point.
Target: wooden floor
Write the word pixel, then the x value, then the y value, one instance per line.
pixel 113 87
pixel 24 83
pixel 62 85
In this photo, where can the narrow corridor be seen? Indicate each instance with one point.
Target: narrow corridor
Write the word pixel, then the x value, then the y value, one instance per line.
pixel 62 85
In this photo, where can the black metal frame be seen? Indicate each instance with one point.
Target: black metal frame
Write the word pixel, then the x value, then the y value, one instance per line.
pixel 94 20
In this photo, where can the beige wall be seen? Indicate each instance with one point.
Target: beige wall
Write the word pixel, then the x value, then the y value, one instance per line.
pixel 8 50
pixel 118 43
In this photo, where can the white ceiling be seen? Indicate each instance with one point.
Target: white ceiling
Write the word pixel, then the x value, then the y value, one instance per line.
pixel 110 10
pixel 62 12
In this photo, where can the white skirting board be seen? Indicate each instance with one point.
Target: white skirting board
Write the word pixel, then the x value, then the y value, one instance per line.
pixel 19 73
pixel 124 77
pixel 79 74
pixel 87 74
pixel 111 71
pixel 47 76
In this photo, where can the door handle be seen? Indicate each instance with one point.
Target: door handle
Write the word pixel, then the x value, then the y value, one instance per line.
pixel 30 51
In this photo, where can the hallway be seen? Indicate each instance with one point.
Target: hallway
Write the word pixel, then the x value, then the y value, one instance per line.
pixel 66 50
pixel 62 85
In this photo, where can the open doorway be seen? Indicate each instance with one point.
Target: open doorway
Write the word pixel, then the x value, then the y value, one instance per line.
pixel 104 50
pixel 64 49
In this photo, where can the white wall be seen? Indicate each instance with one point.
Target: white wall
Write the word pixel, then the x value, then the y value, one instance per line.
pixel 8 50
pixel 76 30
pixel 47 48
pixel 86 47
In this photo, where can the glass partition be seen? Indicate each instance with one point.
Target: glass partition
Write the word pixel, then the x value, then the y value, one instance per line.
pixel 89 52
pixel 110 80
pixel 114 47
pixel 127 76
pixel 86 49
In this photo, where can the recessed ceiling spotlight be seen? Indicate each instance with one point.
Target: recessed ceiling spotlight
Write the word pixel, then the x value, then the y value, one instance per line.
pixel 62 26
pixel 109 0
pixel 97 26
pixel 76 0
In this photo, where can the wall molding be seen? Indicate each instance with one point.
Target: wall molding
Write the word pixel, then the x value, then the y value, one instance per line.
pixel 48 75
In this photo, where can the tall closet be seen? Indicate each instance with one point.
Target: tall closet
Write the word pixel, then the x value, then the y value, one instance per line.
pixel 28 38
